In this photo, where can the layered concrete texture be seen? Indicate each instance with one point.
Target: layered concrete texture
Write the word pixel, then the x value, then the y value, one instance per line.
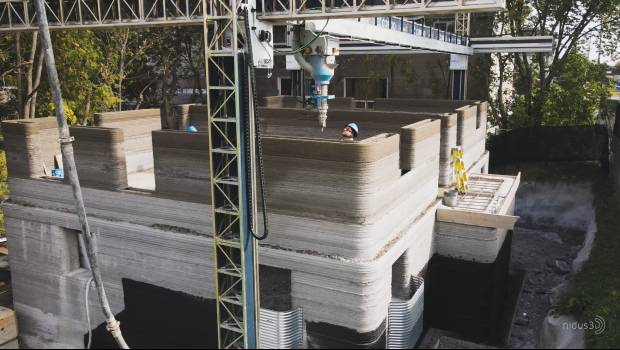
pixel 182 165
pixel 472 123
pixel 472 119
pixel 31 146
pixel 475 229
pixel 342 213
pixel 100 157
pixel 136 127
pixel 298 122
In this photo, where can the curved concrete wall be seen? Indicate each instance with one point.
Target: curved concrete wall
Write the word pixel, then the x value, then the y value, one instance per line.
pixel 341 213
pixel 297 122
pixel 472 123
pixel 138 232
pixel 331 179
pixel 30 145
pixel 419 143
pixel 100 157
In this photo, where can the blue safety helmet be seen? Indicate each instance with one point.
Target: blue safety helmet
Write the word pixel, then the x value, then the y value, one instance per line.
pixel 192 128
pixel 355 128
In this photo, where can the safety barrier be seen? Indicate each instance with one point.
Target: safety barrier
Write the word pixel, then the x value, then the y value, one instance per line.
pixel 405 318
pixel 281 330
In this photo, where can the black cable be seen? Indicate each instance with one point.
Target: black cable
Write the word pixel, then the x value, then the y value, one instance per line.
pixel 259 145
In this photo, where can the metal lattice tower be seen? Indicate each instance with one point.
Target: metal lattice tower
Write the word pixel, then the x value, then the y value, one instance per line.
pixel 235 267
pixel 462 23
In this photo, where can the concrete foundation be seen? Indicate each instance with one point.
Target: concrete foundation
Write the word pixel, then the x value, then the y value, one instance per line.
pixel 350 222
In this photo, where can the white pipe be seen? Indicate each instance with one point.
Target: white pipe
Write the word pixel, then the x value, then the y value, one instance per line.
pixel 303 63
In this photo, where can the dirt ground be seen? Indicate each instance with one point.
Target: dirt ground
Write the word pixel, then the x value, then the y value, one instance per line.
pixel 555 217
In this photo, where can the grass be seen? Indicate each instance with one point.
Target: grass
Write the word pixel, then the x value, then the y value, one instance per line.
pixel 3 188
pixel 596 289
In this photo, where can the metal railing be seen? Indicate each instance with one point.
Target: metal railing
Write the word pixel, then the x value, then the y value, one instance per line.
pixel 401 24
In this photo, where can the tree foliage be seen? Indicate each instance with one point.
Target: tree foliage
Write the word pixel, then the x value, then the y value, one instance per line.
pixel 543 85
pixel 105 70
pixel 87 77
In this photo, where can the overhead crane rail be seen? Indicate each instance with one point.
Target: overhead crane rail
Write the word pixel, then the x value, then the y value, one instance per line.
pixel 19 15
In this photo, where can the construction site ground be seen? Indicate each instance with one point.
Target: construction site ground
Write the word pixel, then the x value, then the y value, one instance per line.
pixel 567 242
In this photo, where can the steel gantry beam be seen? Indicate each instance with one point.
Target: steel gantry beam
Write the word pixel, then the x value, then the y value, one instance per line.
pixel 286 10
pixel 390 32
pixel 19 15
pixel 510 44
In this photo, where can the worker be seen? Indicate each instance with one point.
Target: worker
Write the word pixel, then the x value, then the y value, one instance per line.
pixel 350 131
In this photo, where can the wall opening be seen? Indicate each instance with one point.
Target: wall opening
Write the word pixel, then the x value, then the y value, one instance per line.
pixel 275 288
pixel 156 317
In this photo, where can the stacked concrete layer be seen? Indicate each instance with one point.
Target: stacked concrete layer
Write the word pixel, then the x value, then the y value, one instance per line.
pixel 474 242
pixel 296 122
pixel 136 126
pixel 353 295
pixel 296 102
pixel 353 188
pixel 49 285
pixel 419 143
pixel 139 208
pixel 472 121
pixel 30 145
pixel 469 243
pixel 182 165
pixel 100 157
pixel 149 239
pixel 341 213
pixel 470 137
pixel 349 209
pixel 430 105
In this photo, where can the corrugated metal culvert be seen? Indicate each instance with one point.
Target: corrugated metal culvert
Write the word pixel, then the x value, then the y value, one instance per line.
pixel 281 330
pixel 405 318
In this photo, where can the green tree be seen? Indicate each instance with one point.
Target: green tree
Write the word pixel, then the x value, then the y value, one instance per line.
pixel 574 97
pixel 87 76
pixel 536 77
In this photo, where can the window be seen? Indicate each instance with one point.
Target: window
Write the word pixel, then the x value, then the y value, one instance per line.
pixel 365 88
pixel 285 87
pixel 447 26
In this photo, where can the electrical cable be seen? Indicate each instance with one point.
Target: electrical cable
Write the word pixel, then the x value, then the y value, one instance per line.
pixel 259 147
